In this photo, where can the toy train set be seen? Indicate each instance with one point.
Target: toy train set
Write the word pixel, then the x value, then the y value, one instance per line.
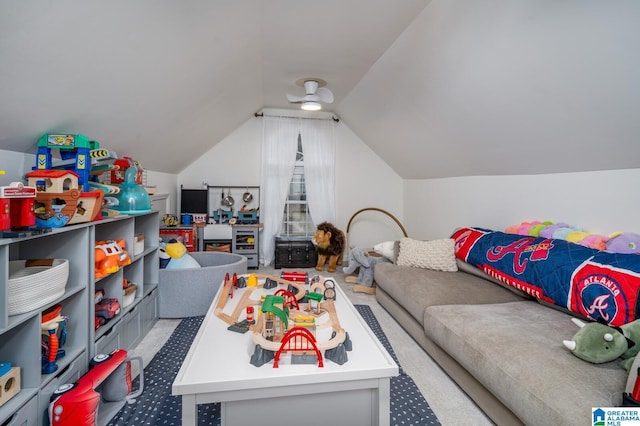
pixel 296 318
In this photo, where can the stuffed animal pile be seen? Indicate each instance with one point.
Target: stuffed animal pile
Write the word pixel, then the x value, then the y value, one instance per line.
pixel 618 242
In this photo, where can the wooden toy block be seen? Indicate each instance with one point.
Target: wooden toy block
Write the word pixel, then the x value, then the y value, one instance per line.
pixel 9 385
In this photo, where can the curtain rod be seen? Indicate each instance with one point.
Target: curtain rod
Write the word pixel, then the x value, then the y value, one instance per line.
pixel 261 114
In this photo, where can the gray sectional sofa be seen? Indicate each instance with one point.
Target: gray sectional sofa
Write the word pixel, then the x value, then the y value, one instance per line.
pixel 503 349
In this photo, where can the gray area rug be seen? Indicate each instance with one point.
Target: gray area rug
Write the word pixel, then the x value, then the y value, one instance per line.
pixel 156 406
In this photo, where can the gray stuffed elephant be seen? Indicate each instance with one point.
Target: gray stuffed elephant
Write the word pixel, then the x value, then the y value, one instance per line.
pixel 359 259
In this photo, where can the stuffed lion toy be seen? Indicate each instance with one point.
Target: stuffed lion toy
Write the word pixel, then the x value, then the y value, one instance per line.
pixel 329 242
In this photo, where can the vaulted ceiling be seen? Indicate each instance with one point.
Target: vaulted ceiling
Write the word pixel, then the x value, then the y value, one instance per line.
pixel 436 88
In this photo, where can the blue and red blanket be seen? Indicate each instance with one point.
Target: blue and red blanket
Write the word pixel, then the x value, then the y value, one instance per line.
pixel 592 283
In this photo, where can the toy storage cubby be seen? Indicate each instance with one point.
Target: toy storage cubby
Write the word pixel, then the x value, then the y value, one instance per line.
pixel 125 330
pixel 20 335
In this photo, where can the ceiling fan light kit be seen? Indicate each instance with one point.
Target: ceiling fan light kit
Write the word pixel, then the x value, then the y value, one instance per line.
pixel 311 106
pixel 316 94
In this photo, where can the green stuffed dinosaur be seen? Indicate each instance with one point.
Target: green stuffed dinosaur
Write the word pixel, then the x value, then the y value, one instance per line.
pixel 599 343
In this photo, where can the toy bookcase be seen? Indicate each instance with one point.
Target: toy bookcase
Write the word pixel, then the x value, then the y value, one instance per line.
pixel 125 330
pixel 20 335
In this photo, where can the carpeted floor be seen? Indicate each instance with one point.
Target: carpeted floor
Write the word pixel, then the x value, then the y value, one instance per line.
pixel 157 406
pixel 408 406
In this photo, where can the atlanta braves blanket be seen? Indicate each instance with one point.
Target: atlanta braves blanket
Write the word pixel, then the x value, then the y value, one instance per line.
pixel 592 283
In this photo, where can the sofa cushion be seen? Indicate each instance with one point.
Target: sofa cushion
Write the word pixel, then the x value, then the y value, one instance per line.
pixel 435 254
pixel 416 289
pixel 515 350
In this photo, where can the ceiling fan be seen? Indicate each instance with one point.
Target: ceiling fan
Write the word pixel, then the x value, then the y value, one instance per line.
pixel 316 94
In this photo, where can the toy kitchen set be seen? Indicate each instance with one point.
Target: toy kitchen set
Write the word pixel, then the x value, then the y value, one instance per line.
pixel 218 218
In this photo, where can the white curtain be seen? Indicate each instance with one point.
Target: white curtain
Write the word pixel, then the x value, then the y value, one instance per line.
pixel 279 147
pixel 319 149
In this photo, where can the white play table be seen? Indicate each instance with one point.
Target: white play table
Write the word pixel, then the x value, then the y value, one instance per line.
pixel 217 369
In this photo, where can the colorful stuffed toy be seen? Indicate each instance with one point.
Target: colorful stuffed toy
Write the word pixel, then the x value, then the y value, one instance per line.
pixel 561 233
pixel 534 231
pixel 624 242
pixel 595 241
pixel 618 242
pixel 576 236
pixel 173 255
pixel 521 229
pixel 513 229
pixel 547 231
pixel 526 226
pixel 599 343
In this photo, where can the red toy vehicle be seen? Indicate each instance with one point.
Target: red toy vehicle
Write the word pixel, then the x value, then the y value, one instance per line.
pixel 107 309
pixel 107 381
pixel 295 276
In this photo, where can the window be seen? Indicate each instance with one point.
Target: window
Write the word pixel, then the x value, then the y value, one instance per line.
pixel 296 220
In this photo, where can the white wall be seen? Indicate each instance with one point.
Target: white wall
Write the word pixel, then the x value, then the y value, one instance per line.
pixel 165 183
pixel 233 161
pixel 15 165
pixel 601 202
pixel 362 178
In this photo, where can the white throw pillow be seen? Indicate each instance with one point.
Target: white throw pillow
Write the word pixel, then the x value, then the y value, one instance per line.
pixel 435 254
pixel 387 249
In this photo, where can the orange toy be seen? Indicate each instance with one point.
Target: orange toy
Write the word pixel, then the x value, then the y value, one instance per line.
pixel 109 257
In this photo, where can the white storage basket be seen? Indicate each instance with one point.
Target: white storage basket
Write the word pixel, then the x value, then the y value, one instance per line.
pixel 35 283
pixel 128 295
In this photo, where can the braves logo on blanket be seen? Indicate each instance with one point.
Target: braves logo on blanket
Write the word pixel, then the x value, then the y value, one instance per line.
pixel 592 283
pixel 602 291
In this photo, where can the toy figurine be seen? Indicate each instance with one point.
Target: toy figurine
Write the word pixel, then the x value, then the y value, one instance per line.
pixel 51 322
pixel 599 343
